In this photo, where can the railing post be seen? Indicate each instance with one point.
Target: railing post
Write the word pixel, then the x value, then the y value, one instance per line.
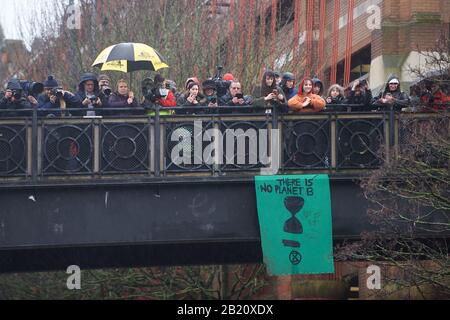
pixel 34 143
pixel 157 155
pixel 391 127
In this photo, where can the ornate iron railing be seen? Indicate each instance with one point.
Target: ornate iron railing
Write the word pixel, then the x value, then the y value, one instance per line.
pixel 35 149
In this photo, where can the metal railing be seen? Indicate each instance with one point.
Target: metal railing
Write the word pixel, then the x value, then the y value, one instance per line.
pixel 41 149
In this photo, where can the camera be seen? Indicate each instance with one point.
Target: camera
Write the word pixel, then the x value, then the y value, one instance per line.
pixel 153 91
pixel 31 88
pixel 107 91
pixel 17 94
pixel 93 99
pixel 57 92
pixel 221 85
pixel 239 96
pixel 363 83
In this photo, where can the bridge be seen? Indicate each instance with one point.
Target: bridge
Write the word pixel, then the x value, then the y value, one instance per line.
pixel 105 192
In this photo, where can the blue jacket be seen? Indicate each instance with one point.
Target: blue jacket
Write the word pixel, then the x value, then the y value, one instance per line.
pixel 44 103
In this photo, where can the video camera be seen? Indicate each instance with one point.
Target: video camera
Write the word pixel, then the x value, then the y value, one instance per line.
pixel 221 85
pixel 31 88
pixel 153 91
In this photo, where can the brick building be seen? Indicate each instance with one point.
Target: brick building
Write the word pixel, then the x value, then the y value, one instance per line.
pixel 386 36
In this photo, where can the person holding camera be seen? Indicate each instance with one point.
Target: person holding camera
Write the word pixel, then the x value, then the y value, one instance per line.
pixel 360 94
pixel 193 99
pixel 235 97
pixel 90 96
pixel 271 95
pixel 54 97
pixel 104 83
pixel 123 98
pixel 336 98
pixel 392 96
pixel 13 100
pixel 155 93
pixel 210 99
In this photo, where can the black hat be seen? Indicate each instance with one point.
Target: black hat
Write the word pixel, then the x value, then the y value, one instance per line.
pixel 209 84
pixel 13 85
pixel 51 82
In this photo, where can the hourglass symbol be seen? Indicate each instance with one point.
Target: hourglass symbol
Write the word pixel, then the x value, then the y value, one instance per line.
pixel 294 206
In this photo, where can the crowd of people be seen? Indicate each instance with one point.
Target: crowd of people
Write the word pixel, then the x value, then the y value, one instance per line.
pixel 95 97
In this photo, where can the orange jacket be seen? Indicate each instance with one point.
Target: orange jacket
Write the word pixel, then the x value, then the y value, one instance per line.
pixel 296 103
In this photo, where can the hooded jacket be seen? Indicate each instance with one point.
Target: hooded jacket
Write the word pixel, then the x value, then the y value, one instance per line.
pixel 401 98
pixel 81 93
pixel 316 82
pixel 296 103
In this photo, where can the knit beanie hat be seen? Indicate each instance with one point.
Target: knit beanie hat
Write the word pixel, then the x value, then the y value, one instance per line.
pixel 51 82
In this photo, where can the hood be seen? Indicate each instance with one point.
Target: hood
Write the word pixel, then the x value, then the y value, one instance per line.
pixel 14 85
pixel 317 81
pixel 193 79
pixel 392 76
pixel 300 89
pixel 287 77
pixel 88 77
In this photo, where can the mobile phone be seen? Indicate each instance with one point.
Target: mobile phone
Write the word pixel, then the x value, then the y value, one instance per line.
pixel 239 96
pixel 214 100
pixel 275 92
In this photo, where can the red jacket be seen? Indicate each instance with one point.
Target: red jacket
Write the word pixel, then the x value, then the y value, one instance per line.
pixel 169 101
pixel 438 97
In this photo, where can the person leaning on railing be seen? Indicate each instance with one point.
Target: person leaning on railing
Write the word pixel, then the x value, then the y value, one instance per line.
pixel 335 98
pixel 123 98
pixel 360 94
pixel 90 96
pixel 55 98
pixel 13 100
pixel 191 101
pixel 392 96
pixel 270 95
pixel 306 100
pixel 155 94
pixel 210 99
pixel 235 98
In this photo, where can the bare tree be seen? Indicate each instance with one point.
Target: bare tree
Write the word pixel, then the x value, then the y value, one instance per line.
pixel 410 198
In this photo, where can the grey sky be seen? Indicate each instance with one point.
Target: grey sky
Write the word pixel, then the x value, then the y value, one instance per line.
pixel 11 9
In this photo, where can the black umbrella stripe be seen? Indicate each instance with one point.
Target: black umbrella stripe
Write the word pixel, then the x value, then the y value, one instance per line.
pixel 123 51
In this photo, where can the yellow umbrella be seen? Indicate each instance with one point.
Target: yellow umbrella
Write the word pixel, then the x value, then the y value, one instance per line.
pixel 129 57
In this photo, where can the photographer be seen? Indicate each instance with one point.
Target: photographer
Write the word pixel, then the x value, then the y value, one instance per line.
pixel 335 98
pixel 192 99
pixel 155 93
pixel 271 95
pixel 54 97
pixel 235 97
pixel 104 83
pixel 210 99
pixel 123 98
pixel 13 100
pixel 360 94
pixel 90 96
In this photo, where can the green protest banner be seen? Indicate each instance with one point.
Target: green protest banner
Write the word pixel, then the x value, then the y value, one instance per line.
pixel 296 224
